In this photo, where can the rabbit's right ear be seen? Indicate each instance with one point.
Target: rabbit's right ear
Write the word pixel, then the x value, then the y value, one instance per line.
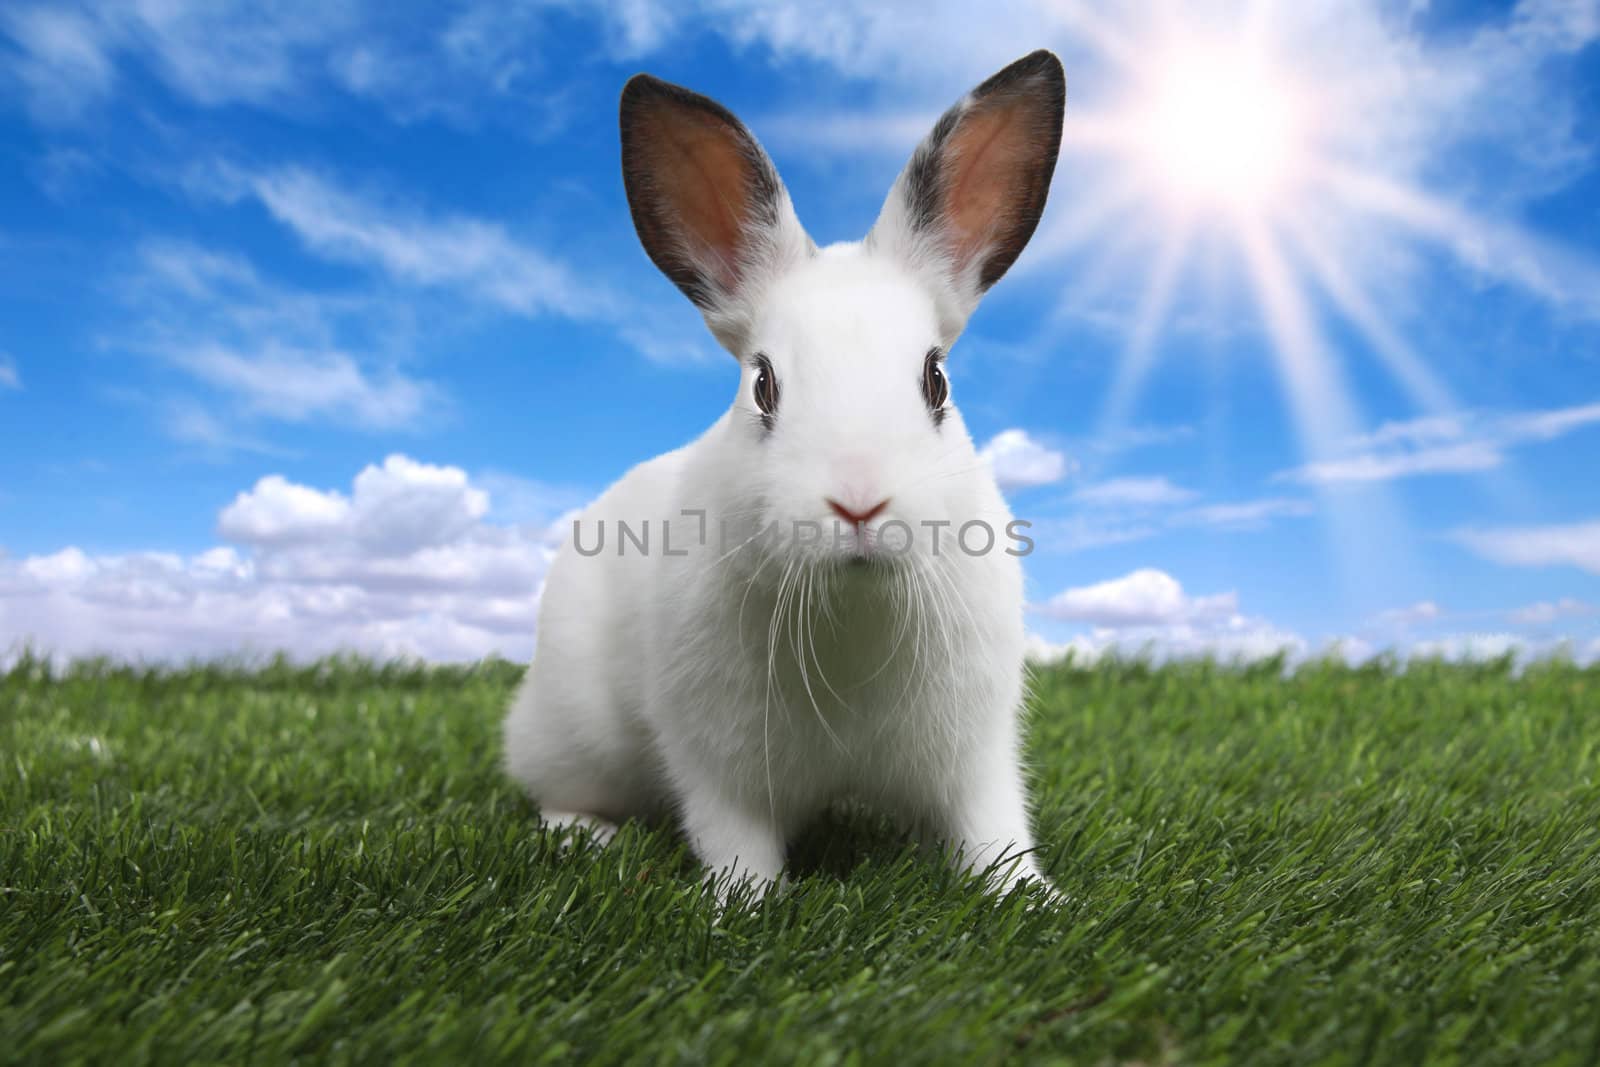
pixel 964 207
pixel 707 203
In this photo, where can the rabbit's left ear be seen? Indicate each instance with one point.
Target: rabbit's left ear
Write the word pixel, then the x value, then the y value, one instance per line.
pixel 707 203
pixel 969 200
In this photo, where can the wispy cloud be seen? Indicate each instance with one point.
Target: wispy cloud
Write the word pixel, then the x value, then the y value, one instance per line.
pixel 1138 508
pixel 1244 514
pixel 1459 443
pixel 1454 459
pixel 1423 611
pixel 463 256
pixel 1574 544
pixel 59 59
pixel 211 54
pixel 10 378
pixel 1079 533
pixel 1548 611
pixel 473 256
pixel 1128 438
pixel 266 352
pixel 1141 492
pixel 297 385
pixel 192 423
pixel 458 65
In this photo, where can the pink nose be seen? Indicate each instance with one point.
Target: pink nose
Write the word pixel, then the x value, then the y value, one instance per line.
pixel 858 518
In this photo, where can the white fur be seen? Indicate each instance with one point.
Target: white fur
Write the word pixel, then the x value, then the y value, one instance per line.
pixel 744 689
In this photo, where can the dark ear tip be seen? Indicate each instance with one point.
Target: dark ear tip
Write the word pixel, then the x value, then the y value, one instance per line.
pixel 1045 57
pixel 643 85
pixel 1041 65
pixel 1041 61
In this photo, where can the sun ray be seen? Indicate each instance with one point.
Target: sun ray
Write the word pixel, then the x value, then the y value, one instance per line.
pixel 1369 536
pixel 1080 222
pixel 1108 41
pixel 1096 297
pixel 1108 224
pixel 1139 353
pixel 1315 390
pixel 1494 248
pixel 1425 387
pixel 1233 134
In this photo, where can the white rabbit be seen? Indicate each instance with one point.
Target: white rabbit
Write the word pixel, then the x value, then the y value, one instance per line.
pixel 855 650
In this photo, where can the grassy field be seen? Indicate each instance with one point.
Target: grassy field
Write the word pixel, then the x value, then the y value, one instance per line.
pixel 1337 866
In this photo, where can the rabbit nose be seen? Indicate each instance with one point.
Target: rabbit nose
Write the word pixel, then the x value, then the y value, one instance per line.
pixel 858 518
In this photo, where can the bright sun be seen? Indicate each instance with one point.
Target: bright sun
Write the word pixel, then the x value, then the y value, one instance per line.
pixel 1232 144
pixel 1217 128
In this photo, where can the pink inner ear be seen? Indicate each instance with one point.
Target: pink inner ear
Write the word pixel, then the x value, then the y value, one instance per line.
pixel 989 154
pixel 702 179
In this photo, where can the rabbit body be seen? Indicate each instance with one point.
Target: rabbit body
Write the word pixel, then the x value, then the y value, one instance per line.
pixel 828 600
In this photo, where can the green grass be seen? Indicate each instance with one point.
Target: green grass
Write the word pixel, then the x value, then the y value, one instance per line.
pixel 1338 866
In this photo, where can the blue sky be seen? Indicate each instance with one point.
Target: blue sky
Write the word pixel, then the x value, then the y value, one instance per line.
pixel 315 319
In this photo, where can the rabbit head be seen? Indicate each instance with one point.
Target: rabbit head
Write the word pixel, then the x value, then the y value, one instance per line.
pixel 845 413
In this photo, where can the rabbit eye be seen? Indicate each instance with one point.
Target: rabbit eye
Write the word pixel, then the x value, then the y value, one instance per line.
pixel 766 389
pixel 935 387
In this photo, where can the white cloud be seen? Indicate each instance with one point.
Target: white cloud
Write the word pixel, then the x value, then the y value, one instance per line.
pixel 1423 611
pixel 1574 544
pixel 1133 493
pixel 1237 639
pixel 1143 598
pixel 1148 613
pixel 396 509
pixel 1455 443
pixel 1548 611
pixel 1472 646
pixel 1020 462
pixel 405 563
pixel 1242 639
pixel 9 377
pixel 278 512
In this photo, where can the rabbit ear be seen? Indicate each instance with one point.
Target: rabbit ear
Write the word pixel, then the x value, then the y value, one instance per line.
pixel 967 203
pixel 707 202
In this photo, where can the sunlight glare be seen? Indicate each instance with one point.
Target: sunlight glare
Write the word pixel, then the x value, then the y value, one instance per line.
pixel 1219 128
